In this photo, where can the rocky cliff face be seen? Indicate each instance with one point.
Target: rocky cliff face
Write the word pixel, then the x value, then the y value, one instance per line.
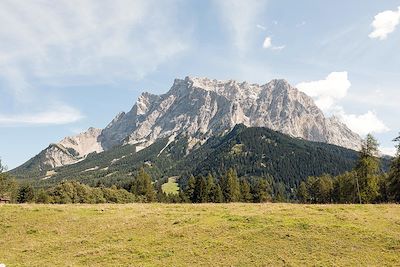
pixel 83 143
pixel 200 108
pixel 71 149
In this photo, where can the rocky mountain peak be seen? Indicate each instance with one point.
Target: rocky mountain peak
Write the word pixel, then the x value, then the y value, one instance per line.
pixel 201 107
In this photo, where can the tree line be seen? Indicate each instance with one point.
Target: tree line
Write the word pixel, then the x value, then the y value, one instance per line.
pixel 366 183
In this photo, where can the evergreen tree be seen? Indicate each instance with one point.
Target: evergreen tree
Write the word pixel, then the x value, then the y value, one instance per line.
pixel 143 187
pixel 230 186
pixel 302 193
pixel 345 188
pixel 394 174
pixel 368 171
pixel 42 197
pixel 280 192
pixel 200 191
pixel 261 190
pixel 324 186
pixel 245 193
pixel 218 195
pixel 191 184
pixel 210 188
pixel 8 187
pixel 384 192
pixel 25 194
pixel 183 197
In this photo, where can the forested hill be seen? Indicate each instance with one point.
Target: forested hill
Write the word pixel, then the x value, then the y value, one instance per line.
pixel 253 151
pixel 262 152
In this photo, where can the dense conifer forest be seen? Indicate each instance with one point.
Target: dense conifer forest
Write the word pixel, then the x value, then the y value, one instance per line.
pixel 246 165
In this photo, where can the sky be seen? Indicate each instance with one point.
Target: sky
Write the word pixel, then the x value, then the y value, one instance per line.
pixel 68 65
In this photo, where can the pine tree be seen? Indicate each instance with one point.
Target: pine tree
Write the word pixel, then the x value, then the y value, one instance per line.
pixel 210 188
pixel 394 174
pixel 9 188
pixel 280 192
pixel 345 188
pixel 200 191
pixel 245 193
pixel 191 184
pixel 143 187
pixel 42 197
pixel 183 197
pixel 368 171
pixel 302 193
pixel 230 186
pixel 261 191
pixel 218 195
pixel 25 194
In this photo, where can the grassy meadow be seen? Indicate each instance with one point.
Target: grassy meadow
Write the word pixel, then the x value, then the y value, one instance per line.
pixel 200 235
pixel 171 186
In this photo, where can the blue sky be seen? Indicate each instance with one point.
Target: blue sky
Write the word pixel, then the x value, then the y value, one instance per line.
pixel 69 65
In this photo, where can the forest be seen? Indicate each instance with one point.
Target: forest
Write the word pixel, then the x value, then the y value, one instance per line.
pixel 366 182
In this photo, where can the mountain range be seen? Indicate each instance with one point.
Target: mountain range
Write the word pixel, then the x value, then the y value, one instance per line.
pixel 195 110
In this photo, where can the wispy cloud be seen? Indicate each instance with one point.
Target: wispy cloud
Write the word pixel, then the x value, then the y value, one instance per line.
pixel 261 27
pixel 240 17
pixel 56 115
pixel 327 94
pixel 267 44
pixel 385 23
pixel 43 42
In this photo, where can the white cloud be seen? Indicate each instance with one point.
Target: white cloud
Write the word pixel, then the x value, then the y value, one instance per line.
pixel 59 114
pixel 240 17
pixel 267 44
pixel 385 23
pixel 363 124
pixel 46 44
pixel 390 151
pixel 326 92
pixel 104 39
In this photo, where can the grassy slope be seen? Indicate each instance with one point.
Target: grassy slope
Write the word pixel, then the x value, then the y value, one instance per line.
pixel 199 235
pixel 171 187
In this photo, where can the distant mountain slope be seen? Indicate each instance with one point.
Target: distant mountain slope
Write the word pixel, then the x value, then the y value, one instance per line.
pixel 201 108
pixel 261 151
pixel 53 156
pixel 253 151
pixel 68 151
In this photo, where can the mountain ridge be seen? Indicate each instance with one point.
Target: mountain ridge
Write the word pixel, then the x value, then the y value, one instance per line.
pixel 200 108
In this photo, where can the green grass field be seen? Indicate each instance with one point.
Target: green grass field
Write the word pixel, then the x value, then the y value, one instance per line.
pixel 200 235
pixel 170 187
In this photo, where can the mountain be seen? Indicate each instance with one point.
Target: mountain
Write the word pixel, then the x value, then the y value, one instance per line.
pixel 200 108
pixel 68 151
pixel 253 151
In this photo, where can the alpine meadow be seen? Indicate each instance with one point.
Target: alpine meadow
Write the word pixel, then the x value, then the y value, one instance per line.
pixel 264 133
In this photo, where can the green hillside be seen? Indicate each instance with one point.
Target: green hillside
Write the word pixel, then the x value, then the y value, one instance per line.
pixel 251 151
